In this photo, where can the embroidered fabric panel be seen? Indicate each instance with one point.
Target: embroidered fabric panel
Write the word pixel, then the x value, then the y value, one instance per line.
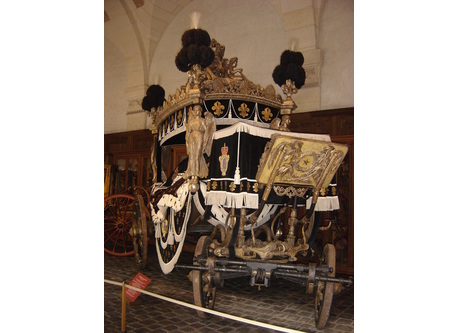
pixel 241 110
pixel 247 153
pixel 241 146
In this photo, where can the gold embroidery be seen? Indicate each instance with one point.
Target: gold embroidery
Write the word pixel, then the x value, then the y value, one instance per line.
pixel 208 186
pixel 248 186
pixel 267 114
pixel 214 185
pixel 244 110
pixel 232 187
pixel 224 159
pixel 218 108
pixel 241 186
pixel 255 187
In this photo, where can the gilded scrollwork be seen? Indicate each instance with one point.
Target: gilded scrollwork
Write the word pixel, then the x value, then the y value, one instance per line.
pixel 222 79
pixel 304 167
pixel 289 191
pixel 223 76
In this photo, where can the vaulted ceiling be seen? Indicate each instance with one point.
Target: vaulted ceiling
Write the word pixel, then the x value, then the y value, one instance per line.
pixel 136 26
pixel 142 38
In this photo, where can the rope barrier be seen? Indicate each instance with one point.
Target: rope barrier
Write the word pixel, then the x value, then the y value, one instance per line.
pixel 213 312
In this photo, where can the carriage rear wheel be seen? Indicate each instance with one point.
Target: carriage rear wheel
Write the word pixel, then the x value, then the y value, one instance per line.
pixel 139 231
pixel 118 210
pixel 325 290
pixel 203 289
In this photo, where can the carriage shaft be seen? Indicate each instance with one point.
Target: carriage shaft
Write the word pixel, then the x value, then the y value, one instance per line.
pixel 318 277
pixel 267 265
pixel 217 269
pixel 279 270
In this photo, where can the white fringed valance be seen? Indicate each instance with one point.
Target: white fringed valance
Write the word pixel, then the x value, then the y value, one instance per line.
pixel 264 132
pixel 325 204
pixel 236 200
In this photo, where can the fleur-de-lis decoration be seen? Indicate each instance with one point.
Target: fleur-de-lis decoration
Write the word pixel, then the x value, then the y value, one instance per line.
pixel 289 88
pixel 323 191
pixel 255 187
pixel 267 114
pixel 232 187
pixel 171 121
pixel 218 108
pixel 243 109
pixel 214 185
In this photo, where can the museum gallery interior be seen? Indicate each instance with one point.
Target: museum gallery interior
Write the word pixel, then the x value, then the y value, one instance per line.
pixel 228 165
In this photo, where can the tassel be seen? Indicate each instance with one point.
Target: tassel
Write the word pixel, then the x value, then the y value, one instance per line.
pixel 237 176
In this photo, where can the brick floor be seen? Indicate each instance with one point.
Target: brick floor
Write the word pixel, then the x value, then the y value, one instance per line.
pixel 283 303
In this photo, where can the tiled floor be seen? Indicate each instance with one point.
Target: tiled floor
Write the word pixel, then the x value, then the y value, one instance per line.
pixel 283 303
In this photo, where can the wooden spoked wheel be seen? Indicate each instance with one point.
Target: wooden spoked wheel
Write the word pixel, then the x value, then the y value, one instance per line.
pixel 203 289
pixel 143 192
pixel 325 290
pixel 139 231
pixel 118 211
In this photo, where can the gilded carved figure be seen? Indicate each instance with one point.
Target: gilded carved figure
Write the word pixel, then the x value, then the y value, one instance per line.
pixel 199 132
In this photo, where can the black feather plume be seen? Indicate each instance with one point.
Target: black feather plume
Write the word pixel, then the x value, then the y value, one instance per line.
pixel 290 68
pixel 154 97
pixel 195 50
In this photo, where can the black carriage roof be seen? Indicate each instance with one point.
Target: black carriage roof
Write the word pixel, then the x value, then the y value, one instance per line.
pixel 224 91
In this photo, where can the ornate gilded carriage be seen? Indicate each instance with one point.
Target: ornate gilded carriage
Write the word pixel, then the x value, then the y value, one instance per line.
pixel 244 168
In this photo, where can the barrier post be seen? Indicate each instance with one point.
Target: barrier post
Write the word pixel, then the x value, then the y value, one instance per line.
pixel 123 308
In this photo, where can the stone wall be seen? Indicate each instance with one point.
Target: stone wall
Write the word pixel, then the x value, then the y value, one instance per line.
pixel 142 39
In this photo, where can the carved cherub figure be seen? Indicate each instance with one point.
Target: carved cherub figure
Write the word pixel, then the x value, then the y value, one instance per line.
pixel 275 124
pixel 285 121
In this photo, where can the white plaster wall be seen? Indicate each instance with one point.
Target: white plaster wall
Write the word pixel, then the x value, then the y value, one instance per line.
pixel 337 43
pixel 115 84
pixel 255 31
pixel 250 30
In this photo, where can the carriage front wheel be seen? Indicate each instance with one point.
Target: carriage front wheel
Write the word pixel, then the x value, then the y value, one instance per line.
pixel 139 231
pixel 204 289
pixel 325 290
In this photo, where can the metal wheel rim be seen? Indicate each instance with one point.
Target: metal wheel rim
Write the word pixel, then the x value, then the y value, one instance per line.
pixel 140 240
pixel 204 293
pixel 325 290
